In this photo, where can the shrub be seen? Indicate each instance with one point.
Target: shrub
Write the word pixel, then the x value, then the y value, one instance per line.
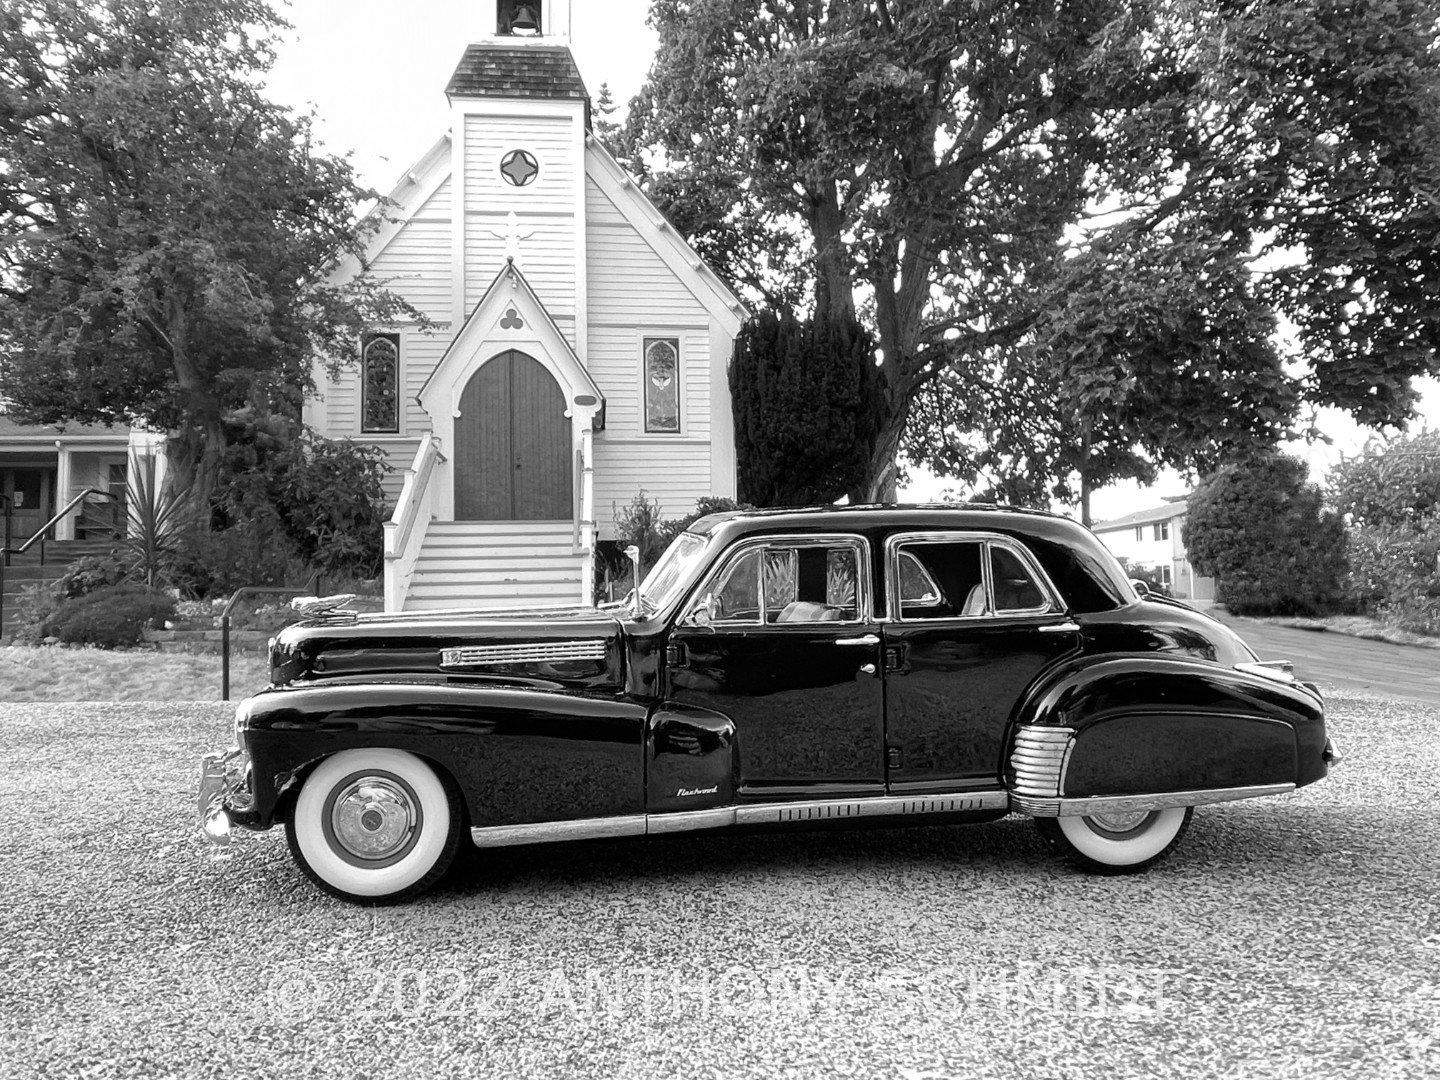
pixel 33 608
pixel 638 524
pixel 113 617
pixel 808 409
pixel 1390 494
pixel 92 572
pixel 325 496
pixel 1260 529
pixel 252 552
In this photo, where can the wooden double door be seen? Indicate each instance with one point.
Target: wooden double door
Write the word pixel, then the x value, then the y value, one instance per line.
pixel 512 444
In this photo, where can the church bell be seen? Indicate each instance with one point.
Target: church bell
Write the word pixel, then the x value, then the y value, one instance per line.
pixel 524 20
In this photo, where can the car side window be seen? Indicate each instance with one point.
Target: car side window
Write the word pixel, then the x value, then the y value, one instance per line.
pixel 917 587
pixel 790 582
pixel 811 583
pixel 1014 586
pixel 738 597
pixel 954 579
pixel 955 570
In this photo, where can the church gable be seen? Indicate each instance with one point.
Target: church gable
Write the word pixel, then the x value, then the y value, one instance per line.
pixel 636 235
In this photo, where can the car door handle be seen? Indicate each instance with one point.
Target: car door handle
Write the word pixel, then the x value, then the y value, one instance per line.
pixel 1066 627
pixel 863 639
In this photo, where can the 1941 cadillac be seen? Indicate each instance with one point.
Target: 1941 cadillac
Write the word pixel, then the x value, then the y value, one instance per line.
pixel 843 666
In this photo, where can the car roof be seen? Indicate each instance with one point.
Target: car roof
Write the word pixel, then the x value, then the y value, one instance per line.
pixel 885 516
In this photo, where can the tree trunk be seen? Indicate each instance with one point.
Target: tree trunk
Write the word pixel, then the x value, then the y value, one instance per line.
pixel 196 451
pixel 834 290
pixel 1085 471
pixel 879 485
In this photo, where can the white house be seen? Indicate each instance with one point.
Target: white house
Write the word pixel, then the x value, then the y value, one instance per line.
pixel 1151 538
pixel 578 351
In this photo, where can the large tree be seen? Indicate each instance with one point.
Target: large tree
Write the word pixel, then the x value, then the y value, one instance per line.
pixel 980 178
pixel 165 229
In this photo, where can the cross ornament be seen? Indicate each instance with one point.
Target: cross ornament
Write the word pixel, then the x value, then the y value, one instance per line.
pixel 512 236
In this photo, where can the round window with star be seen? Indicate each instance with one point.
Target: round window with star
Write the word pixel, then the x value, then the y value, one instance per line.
pixel 519 168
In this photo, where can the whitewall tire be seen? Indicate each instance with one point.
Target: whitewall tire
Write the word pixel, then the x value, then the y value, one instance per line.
pixel 1118 843
pixel 375 824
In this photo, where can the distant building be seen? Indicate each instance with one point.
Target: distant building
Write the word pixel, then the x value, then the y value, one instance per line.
pixel 1151 538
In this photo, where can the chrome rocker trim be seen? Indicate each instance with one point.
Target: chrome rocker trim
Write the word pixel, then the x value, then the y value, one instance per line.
pixel 1085 806
pixel 544 832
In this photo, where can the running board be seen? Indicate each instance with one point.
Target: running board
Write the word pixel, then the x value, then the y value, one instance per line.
pixel 544 832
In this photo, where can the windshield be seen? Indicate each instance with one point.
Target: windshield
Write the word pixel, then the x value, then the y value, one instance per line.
pixel 668 578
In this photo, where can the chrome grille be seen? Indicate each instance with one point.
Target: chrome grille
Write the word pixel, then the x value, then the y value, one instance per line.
pixel 542 652
pixel 1039 760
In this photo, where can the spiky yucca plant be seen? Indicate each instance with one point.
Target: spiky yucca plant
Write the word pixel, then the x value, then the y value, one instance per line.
pixel 159 516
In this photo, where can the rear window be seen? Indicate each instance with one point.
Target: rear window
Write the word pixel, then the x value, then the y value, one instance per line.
pixel 1087 580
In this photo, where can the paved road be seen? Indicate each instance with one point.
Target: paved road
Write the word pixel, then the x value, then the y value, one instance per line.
pixel 1340 662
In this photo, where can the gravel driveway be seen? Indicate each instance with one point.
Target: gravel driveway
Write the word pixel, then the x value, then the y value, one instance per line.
pixel 1289 937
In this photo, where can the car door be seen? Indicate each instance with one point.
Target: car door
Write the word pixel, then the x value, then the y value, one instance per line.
pixel 781 637
pixel 973 621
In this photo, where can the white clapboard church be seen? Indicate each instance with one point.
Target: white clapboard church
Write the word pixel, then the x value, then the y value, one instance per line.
pixel 578 347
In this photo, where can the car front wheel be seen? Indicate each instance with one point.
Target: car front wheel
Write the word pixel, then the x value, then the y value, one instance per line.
pixel 1118 843
pixel 376 824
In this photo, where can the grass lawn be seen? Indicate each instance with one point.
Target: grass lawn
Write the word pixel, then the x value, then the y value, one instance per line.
pixel 1359 626
pixel 54 673
pixel 1293 938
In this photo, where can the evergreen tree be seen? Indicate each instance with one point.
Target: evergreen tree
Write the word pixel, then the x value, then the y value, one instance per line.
pixel 806 413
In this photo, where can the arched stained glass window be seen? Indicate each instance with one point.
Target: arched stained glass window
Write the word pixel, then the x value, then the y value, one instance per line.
pixel 662 385
pixel 380 383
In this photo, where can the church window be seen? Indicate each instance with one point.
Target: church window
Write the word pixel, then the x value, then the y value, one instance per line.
pixel 380 383
pixel 519 167
pixel 662 385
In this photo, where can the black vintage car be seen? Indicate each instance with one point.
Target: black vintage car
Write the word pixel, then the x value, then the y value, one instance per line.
pixel 838 666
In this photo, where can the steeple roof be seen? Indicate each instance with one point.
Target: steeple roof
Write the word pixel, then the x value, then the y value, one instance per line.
pixel 538 71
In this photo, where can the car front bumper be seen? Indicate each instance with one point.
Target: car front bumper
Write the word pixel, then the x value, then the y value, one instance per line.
pixel 227 795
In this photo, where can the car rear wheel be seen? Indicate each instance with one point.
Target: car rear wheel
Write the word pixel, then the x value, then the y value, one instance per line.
pixel 1119 843
pixel 376 824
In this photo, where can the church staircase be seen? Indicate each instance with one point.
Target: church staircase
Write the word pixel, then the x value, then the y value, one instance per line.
pixel 496 564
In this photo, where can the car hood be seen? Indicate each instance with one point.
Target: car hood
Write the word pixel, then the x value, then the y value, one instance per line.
pixel 579 647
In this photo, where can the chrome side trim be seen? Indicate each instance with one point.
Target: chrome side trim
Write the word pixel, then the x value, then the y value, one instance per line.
pixel 690 820
pixel 549 832
pixel 876 806
pixel 753 814
pixel 540 652
pixel 1114 804
pixel 1039 758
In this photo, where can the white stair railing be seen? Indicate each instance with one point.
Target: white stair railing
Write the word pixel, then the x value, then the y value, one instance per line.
pixel 585 518
pixel 405 531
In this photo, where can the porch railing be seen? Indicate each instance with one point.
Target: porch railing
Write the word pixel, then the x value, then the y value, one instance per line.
pixel 405 531
pixel 40 537
pixel 584 488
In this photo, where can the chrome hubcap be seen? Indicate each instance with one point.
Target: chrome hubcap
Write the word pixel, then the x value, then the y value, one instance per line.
pixel 373 817
pixel 1120 821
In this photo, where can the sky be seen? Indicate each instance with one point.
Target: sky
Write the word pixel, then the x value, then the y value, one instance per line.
pixel 375 75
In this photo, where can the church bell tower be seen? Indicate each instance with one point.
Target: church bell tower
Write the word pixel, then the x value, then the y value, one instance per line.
pixel 539 21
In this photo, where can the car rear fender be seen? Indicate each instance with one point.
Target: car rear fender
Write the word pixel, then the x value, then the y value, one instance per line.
pixel 1154 731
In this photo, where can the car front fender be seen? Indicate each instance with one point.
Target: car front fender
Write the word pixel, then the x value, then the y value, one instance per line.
pixel 517 755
